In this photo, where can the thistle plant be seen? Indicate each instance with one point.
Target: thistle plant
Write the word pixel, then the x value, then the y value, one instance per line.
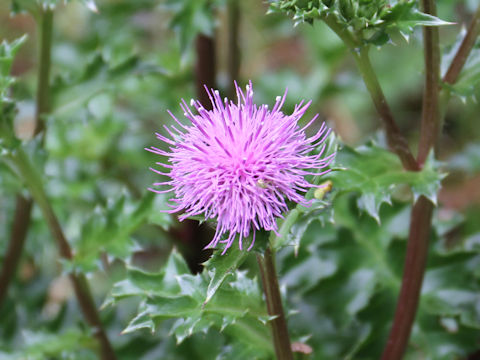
pixel 269 232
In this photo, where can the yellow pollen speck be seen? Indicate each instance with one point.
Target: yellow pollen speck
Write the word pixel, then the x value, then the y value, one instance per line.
pixel 261 184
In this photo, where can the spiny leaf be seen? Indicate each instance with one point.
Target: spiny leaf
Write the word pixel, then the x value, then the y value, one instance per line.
pixel 175 293
pixel 376 173
pixel 404 16
pixel 7 54
pixel 369 22
pixel 222 266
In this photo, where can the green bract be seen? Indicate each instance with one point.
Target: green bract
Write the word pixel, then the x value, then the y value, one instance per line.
pixel 365 21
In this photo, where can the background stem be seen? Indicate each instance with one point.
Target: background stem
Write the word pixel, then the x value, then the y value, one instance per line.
pixel 31 178
pixel 15 247
pixel 396 141
pixel 421 216
pixel 193 236
pixel 464 50
pixel 23 206
pixel 414 268
pixel 204 68
pixel 43 82
pixel 233 55
pixel 281 339
pixel 430 111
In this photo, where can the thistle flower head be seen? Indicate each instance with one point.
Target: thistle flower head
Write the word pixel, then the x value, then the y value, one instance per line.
pixel 239 164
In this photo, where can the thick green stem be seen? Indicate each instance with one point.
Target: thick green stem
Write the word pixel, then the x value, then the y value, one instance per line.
pixel 281 339
pixel 43 84
pixel 21 163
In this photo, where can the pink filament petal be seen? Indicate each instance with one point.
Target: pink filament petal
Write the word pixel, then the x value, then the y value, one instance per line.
pixel 240 163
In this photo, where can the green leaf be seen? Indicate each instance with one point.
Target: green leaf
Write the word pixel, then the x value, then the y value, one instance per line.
pixel 404 16
pixel 175 293
pixel 190 18
pixel 339 271
pixel 72 91
pixel 223 266
pixel 7 54
pixel 43 345
pixel 110 230
pixel 376 173
pixel 467 84
pixel 355 295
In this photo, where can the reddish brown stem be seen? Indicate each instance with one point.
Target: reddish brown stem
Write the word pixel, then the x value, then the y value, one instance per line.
pixel 193 237
pixel 90 313
pixel 430 111
pixel 415 260
pixel 281 339
pixel 421 216
pixel 464 50
pixel 204 67
pixel 233 55
pixel 15 247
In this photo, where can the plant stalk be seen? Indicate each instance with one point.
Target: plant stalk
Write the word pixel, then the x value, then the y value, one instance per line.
pixel 233 54
pixel 204 68
pixel 15 247
pixel 430 111
pixel 421 216
pixel 193 236
pixel 31 178
pixel 396 141
pixel 458 62
pixel 281 339
pixel 415 261
pixel 23 206
pixel 43 83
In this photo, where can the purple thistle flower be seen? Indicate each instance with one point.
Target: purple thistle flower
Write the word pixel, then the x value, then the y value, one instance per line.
pixel 239 163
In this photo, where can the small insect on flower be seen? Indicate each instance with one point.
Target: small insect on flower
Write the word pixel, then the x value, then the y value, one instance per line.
pixel 240 163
